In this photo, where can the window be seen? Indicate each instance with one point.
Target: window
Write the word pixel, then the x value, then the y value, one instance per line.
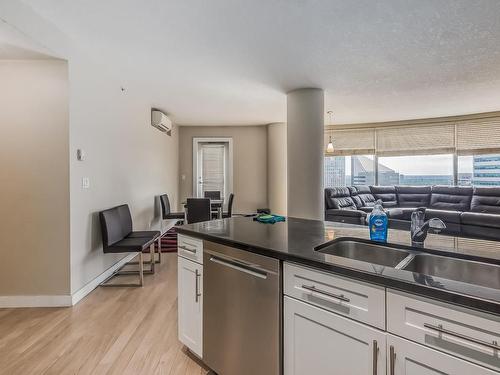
pixel 349 170
pixel 479 170
pixel 416 170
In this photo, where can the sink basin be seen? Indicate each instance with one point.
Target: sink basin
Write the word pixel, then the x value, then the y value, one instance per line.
pixel 467 271
pixel 366 252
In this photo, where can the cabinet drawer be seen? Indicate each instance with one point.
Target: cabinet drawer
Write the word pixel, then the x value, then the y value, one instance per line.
pixel 190 248
pixel 408 358
pixel 344 296
pixel 458 331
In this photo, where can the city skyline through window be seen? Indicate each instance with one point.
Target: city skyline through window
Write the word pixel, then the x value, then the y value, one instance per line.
pixel 478 170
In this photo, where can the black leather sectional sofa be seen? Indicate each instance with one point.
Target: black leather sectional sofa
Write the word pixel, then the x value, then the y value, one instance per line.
pixel 467 211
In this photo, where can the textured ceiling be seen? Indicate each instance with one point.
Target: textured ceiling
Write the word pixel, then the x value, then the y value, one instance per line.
pixel 232 62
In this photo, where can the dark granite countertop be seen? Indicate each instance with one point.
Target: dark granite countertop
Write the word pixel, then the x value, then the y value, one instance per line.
pixel 296 239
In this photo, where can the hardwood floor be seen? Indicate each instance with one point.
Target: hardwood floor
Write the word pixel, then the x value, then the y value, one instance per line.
pixel 111 331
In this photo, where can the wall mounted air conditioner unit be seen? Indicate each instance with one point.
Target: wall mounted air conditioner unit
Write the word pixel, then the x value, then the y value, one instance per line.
pixel 160 121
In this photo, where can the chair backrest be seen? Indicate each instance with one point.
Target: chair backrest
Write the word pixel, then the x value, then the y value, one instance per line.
pixel 230 205
pixel 212 194
pixel 197 210
pixel 165 206
pixel 116 224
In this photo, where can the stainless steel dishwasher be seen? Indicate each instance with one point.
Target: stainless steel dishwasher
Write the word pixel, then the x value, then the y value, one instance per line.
pixel 241 312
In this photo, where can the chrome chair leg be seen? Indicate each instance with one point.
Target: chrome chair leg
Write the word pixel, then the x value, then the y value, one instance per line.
pixel 118 273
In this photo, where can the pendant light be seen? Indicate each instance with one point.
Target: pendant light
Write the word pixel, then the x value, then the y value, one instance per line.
pixel 329 147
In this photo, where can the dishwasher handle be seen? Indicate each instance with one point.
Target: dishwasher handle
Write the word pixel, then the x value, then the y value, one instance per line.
pixel 239 266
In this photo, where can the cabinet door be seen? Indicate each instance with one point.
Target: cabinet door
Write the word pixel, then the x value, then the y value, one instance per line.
pixel 190 304
pixel 319 342
pixel 408 358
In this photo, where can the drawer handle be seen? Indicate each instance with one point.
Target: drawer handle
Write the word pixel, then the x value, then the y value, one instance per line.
pixel 312 288
pixel 375 357
pixel 187 249
pixel 439 328
pixel 197 287
pixel 392 360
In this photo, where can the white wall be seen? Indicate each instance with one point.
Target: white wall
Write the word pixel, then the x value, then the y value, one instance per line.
pixel 276 168
pixel 34 178
pixel 127 161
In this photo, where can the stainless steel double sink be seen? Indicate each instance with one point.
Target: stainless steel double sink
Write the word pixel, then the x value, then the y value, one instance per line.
pixel 446 267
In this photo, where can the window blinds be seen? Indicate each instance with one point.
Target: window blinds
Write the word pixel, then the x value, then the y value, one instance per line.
pixel 478 136
pixel 416 140
pixel 213 166
pixel 351 142
pixel 466 137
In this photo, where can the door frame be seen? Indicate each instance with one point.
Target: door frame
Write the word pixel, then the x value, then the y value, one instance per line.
pixel 196 141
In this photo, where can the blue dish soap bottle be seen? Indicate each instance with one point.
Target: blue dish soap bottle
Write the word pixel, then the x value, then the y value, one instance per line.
pixel 378 223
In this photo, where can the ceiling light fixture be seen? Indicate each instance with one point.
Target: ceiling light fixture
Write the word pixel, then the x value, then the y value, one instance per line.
pixel 329 147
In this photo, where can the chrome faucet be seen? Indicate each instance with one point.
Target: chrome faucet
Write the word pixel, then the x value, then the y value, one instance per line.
pixel 420 227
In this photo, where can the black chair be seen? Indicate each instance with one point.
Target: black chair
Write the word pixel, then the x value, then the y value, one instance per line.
pixel 215 195
pixel 126 218
pixel 229 212
pixel 166 214
pixel 197 210
pixel 118 237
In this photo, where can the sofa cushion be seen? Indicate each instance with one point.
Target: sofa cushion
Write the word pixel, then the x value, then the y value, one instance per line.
pixel 413 196
pixel 486 200
pixel 366 209
pixel 400 213
pixel 480 219
pixel 355 197
pixel 365 195
pixel 446 216
pixel 451 198
pixel 339 198
pixel 387 194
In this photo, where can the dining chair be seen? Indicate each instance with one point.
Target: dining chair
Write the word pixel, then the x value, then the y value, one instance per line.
pixel 229 212
pixel 212 195
pixel 165 209
pixel 197 210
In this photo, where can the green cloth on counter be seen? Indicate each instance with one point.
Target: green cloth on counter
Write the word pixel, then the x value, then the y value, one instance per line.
pixel 269 219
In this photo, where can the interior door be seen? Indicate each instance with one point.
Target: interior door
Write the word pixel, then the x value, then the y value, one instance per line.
pixel 212 170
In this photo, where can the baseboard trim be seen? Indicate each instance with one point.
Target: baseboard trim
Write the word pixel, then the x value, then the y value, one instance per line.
pixel 62 300
pixel 89 287
pixel 35 301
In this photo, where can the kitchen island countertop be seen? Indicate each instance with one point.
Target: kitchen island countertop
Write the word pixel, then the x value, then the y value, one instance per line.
pixel 296 241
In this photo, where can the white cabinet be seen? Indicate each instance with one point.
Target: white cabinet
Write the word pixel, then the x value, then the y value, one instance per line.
pixel 455 330
pixel 408 358
pixel 190 304
pixel 319 342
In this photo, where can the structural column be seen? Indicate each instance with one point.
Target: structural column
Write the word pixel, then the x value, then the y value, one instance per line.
pixel 305 143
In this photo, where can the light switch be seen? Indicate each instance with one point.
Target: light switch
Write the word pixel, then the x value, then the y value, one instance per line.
pixel 80 155
pixel 85 182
